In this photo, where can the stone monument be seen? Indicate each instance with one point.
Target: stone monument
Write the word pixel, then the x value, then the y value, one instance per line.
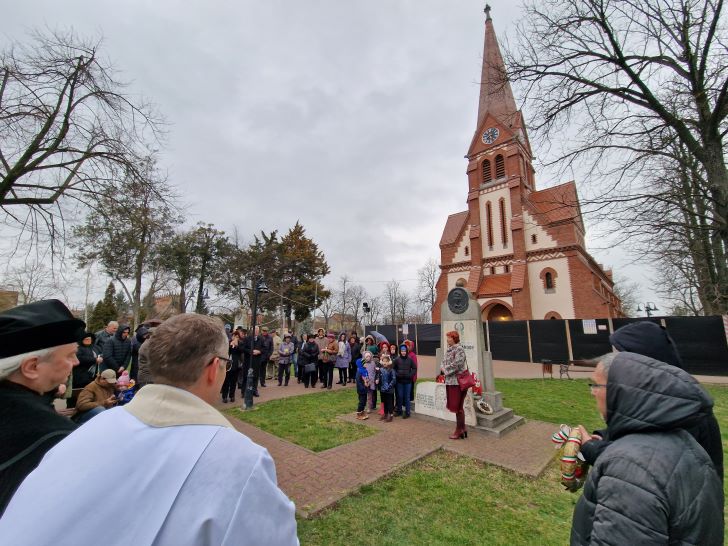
pixel 461 313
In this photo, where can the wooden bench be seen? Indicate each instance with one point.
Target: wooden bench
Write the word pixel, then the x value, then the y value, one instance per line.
pixel 547 367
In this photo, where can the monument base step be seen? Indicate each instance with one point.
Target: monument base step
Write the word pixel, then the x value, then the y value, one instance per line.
pixel 499 423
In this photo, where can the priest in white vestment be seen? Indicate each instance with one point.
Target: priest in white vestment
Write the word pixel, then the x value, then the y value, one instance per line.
pixel 166 469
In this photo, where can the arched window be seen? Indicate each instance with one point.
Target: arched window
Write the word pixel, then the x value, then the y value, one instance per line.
pixel 487 174
pixel 504 227
pixel 549 281
pixel 500 167
pixel 467 251
pixel 548 277
pixel 489 223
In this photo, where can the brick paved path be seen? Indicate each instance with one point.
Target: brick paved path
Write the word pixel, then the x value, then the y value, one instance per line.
pixel 313 480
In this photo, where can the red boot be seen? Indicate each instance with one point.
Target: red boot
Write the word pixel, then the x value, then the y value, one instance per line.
pixel 458 427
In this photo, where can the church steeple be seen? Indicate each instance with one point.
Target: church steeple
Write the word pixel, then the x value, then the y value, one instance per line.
pixel 496 96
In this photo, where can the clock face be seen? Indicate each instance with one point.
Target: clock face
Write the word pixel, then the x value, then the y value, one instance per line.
pixel 490 135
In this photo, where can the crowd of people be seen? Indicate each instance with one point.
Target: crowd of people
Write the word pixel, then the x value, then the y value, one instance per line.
pixel 656 468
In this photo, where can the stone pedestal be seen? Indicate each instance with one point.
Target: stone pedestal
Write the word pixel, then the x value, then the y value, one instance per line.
pixel 461 313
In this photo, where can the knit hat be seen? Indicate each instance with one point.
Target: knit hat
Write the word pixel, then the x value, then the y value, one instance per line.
pixel 648 339
pixel 35 326
pixel 110 376
pixel 123 381
pixel 364 355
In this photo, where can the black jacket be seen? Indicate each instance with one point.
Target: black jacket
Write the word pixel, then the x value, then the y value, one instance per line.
pixel 653 484
pixel 405 368
pixel 117 351
pixel 85 371
pixel 30 427
pixel 308 353
pixel 256 344
pixel 267 341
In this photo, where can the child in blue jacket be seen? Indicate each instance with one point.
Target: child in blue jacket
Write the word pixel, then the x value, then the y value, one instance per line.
pixel 387 382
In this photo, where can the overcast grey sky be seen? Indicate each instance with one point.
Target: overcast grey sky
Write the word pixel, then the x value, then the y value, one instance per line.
pixel 350 116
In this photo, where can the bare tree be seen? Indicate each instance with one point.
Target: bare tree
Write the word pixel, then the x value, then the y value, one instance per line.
pixel 326 306
pixel 342 298
pixel 627 292
pixel 392 296
pixel 403 307
pixel 642 86
pixel 357 296
pixel 33 281
pixel 427 277
pixel 376 310
pixel 67 129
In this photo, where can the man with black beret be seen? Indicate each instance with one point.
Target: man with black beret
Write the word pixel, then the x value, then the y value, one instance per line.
pixel 38 344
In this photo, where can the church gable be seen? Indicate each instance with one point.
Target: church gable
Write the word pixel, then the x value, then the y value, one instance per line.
pixel 491 132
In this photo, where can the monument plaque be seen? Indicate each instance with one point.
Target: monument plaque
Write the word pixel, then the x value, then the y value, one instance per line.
pixel 430 400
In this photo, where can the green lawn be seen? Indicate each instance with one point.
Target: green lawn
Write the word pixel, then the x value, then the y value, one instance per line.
pixel 432 501
pixel 308 420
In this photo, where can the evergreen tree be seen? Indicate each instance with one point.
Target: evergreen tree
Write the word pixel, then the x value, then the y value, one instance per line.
pixel 104 311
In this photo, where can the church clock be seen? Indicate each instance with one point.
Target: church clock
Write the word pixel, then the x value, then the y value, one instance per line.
pixel 490 135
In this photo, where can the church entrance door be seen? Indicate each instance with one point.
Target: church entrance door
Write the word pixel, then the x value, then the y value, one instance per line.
pixel 500 312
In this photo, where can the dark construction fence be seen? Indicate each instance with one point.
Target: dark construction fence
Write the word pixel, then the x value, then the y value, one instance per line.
pixel 701 341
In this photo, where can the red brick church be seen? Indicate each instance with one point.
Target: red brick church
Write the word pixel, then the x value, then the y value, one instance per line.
pixel 519 250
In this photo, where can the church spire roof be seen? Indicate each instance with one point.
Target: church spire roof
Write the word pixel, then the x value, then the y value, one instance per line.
pixel 496 96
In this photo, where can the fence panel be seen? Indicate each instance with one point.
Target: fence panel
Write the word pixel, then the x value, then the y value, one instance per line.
pixel 588 345
pixel 509 340
pixel 548 340
pixel 701 343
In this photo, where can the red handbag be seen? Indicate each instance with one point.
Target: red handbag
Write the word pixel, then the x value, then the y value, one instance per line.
pixel 466 379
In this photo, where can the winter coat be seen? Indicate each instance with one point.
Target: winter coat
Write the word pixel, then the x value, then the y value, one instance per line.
pixel 30 427
pixel 117 351
pixel 236 353
pixel 651 340
pixel 405 368
pixel 654 484
pixel 285 352
pixel 250 345
pixel 344 356
pixel 387 379
pixel 453 363
pixel 102 336
pixel 145 376
pixel 308 354
pixel 355 351
pixel 372 368
pixel 362 375
pixel 85 371
pixel 276 346
pixel 266 342
pixel 93 395
pixel 321 343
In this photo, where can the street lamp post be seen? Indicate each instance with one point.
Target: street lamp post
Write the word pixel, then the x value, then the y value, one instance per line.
pixel 365 307
pixel 259 287
pixel 649 307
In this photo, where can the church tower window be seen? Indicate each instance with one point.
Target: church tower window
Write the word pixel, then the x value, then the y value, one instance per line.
pixel 500 167
pixel 487 174
pixel 489 222
pixel 467 251
pixel 504 230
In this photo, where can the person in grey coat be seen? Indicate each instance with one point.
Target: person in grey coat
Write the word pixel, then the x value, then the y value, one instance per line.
pixel 653 484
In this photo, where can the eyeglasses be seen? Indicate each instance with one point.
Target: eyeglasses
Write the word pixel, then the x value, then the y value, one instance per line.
pixel 228 362
pixel 593 386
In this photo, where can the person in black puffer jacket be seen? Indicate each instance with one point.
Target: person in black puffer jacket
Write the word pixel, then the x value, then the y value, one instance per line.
pixel 117 351
pixel 649 339
pixel 653 484
pixel 406 369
